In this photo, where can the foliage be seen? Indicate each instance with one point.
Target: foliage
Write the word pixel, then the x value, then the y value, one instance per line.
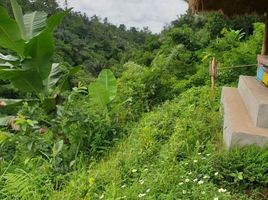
pixel 153 130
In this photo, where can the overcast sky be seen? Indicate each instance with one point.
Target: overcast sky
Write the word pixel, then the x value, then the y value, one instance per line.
pixel 138 13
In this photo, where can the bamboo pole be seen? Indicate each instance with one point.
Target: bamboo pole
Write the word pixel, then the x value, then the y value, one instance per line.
pixel 265 37
pixel 212 72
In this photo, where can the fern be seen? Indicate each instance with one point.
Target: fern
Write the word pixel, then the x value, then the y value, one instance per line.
pixel 20 185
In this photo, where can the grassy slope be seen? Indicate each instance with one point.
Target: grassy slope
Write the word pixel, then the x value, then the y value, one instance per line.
pixel 171 153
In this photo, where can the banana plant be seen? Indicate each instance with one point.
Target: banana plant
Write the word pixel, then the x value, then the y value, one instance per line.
pixel 30 39
pixel 104 89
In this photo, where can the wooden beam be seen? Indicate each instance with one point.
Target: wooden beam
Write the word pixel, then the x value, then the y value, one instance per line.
pixel 265 37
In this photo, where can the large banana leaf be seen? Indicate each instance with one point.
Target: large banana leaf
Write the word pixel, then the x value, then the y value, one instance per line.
pixel 34 24
pixel 40 50
pixel 104 89
pixel 99 95
pixel 8 58
pixel 54 76
pixel 27 81
pixel 10 36
pixel 108 81
pixel 17 11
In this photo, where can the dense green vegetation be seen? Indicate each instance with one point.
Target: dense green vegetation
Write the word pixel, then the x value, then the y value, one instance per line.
pixel 135 120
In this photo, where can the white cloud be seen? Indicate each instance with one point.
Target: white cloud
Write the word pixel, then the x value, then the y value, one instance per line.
pixel 138 13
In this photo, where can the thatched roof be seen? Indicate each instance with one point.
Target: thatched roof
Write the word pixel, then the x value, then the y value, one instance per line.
pixel 230 7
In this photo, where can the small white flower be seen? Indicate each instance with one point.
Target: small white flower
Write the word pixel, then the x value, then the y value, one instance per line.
pixel 184 192
pixel 200 182
pixel 208 154
pixel 216 198
pixel 195 161
pixel 189 173
pixel 181 183
pixel 142 195
pixel 134 170
pixel 187 180
pixel 199 154
pixel 195 180
pixel 102 196
pixel 123 186
pixel 203 192
pixel 141 182
pixel 216 173
pixel 148 190
pixel 206 177
pixel 221 190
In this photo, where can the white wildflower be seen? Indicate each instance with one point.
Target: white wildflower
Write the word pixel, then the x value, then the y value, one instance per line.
pixel 142 195
pixel 216 173
pixel 187 180
pixel 134 170
pixel 148 190
pixel 199 154
pixel 195 161
pixel 123 186
pixel 203 192
pixel 216 198
pixel 184 192
pixel 181 183
pixel 221 190
pixel 208 154
pixel 195 180
pixel 206 177
pixel 200 182
pixel 189 173
pixel 141 182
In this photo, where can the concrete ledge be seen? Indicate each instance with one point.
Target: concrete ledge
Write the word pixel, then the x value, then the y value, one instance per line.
pixel 255 97
pixel 239 129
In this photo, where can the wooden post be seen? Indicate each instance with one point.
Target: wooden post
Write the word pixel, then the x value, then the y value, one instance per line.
pixel 265 37
pixel 212 72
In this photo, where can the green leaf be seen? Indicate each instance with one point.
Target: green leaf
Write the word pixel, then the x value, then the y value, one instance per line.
pixel 71 72
pixel 108 81
pixel 99 94
pixel 3 137
pixel 17 11
pixel 56 19
pixel 4 121
pixel 104 89
pixel 40 51
pixel 11 102
pixel 57 148
pixel 27 81
pixel 10 37
pixel 8 58
pixel 34 24
pixel 5 65
pixel 54 76
pixel 240 176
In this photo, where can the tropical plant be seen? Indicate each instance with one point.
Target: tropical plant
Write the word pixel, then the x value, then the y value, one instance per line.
pixel 30 37
pixel 29 68
pixel 104 89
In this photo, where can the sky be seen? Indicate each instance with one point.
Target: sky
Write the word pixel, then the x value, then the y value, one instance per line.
pixel 154 14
